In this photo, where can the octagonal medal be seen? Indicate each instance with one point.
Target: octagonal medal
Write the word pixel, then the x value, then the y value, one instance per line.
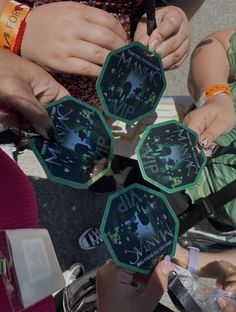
pixel 168 156
pixel 131 83
pixel 139 228
pixel 83 151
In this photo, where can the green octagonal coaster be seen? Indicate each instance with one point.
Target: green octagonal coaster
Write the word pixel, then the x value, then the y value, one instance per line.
pixel 168 156
pixel 139 228
pixel 131 83
pixel 84 148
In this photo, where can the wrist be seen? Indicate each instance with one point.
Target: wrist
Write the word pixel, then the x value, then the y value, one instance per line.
pixel 12 25
pixel 3 3
pixel 213 90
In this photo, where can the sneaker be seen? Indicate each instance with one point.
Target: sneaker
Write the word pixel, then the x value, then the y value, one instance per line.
pixel 90 239
pixel 74 272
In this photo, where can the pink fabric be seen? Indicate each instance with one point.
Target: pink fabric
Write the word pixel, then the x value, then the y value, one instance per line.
pixel 17 210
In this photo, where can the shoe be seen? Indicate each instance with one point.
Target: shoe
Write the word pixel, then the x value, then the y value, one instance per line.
pixel 74 272
pixel 90 239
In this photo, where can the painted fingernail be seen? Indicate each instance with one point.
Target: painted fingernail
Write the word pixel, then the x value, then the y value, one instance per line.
pixel 204 143
pixel 52 134
pixel 166 265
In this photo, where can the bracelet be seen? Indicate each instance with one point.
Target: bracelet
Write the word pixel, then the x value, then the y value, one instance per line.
pixel 12 25
pixel 211 91
pixel 193 259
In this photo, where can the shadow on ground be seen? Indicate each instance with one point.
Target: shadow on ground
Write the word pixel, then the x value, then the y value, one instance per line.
pixel 67 213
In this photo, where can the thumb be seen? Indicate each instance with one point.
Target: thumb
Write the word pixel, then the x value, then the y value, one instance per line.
pixel 168 25
pixel 30 108
pixel 156 286
pixel 212 132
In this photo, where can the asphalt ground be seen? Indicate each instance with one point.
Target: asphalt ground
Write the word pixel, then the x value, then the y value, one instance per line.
pixel 67 212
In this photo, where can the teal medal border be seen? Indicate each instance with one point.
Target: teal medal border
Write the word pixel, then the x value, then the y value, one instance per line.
pixel 157 184
pixel 66 181
pixel 99 80
pixel 105 217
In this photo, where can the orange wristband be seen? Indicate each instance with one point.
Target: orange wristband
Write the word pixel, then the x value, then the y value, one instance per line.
pixel 212 90
pixel 12 21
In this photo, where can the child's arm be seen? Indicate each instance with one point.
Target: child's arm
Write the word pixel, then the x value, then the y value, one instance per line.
pixel 209 66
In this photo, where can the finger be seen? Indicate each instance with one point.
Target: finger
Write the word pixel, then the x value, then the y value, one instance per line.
pixel 173 43
pixel 156 286
pixel 168 26
pixel 74 65
pixel 230 286
pixel 7 120
pixel 106 20
pixel 225 306
pixel 177 56
pixel 141 33
pixel 100 35
pixel 194 122
pixel 29 107
pixel 214 130
pixel 90 52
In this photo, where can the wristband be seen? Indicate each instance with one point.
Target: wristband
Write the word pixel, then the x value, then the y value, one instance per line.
pixel 212 90
pixel 12 25
pixel 193 259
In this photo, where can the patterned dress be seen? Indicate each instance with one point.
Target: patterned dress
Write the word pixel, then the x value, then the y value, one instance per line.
pixel 222 169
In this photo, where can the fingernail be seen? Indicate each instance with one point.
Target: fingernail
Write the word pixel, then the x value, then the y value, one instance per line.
pixel 166 265
pixel 222 303
pixel 52 134
pixel 153 44
pixel 204 143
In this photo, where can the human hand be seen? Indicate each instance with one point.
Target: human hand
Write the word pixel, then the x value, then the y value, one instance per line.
pixel 116 292
pixel 71 37
pixel 214 118
pixel 225 306
pixel 228 284
pixel 24 87
pixel 171 38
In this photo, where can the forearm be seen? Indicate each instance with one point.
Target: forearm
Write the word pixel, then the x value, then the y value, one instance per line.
pixel 209 263
pixel 209 63
pixel 189 7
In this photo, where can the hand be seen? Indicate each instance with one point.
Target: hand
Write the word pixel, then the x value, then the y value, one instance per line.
pixel 225 306
pixel 71 37
pixel 171 38
pixel 116 293
pixel 228 284
pixel 24 87
pixel 214 118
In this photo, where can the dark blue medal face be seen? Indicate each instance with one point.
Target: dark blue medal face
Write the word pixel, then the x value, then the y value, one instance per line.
pixel 131 83
pixel 84 148
pixel 139 228
pixel 168 157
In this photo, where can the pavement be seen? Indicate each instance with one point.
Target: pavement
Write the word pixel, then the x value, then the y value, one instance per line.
pixel 67 212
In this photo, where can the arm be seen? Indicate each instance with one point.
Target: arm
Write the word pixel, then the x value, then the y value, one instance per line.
pixel 210 263
pixel 209 65
pixel 2 5
pixel 189 7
